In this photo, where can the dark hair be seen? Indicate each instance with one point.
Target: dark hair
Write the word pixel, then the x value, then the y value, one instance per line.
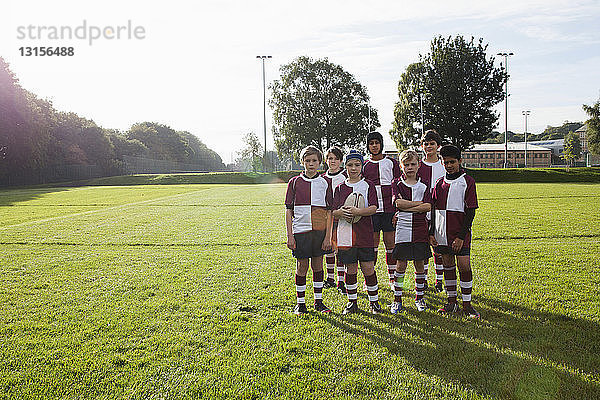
pixel 450 150
pixel 336 151
pixel 430 135
pixel 310 150
pixel 377 136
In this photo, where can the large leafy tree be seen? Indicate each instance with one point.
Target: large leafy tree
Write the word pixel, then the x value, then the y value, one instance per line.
pixel 316 102
pixel 592 133
pixel 572 148
pixel 459 87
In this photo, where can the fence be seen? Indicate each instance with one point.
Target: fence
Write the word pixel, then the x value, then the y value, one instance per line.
pixel 141 165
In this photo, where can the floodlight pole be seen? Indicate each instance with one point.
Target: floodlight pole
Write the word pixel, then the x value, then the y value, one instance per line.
pixel 525 113
pixel 264 105
pixel 506 55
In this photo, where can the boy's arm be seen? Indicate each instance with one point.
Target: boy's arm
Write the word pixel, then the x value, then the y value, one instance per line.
pixel 363 212
pixel 421 208
pixel 404 205
pixel 327 241
pixel 291 242
pixel 467 223
pixel 432 240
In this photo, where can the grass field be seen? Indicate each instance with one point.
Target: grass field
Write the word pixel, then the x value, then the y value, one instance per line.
pixel 186 291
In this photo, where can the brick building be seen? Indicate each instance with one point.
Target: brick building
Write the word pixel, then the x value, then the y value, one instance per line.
pixel 492 156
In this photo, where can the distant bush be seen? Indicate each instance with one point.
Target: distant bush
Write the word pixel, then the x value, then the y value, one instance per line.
pixel 520 175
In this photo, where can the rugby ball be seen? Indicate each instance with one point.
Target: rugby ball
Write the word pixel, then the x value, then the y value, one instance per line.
pixel 355 200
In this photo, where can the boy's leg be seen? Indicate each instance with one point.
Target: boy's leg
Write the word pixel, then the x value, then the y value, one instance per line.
pixel 425 271
pixel 330 263
pixel 466 285
pixel 398 285
pixel 389 241
pixel 419 279
pixel 368 270
pixel 450 280
pixel 439 272
pixel 375 245
pixel 316 264
pixel 351 287
pixel 301 270
pixel 341 273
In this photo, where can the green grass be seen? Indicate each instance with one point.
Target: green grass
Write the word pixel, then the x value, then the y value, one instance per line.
pixel 185 291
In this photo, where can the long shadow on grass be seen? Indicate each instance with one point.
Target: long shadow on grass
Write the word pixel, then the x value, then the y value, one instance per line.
pixel 513 352
pixel 13 196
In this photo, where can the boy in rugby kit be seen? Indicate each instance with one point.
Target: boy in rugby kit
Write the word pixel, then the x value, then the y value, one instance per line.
pixel 412 198
pixel 382 170
pixel 454 201
pixel 355 240
pixel 337 175
pixel 308 222
pixel 430 170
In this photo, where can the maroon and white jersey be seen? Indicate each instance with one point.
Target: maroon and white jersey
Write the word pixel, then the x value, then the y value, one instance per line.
pixel 382 173
pixel 336 178
pixel 310 199
pixel 360 234
pixel 431 172
pixel 450 198
pixel 411 227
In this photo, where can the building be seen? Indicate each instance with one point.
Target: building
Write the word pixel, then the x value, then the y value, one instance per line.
pixel 492 156
pixel 586 158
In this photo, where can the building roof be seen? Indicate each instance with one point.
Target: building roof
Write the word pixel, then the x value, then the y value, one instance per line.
pixel 548 143
pixel 518 146
pixel 582 128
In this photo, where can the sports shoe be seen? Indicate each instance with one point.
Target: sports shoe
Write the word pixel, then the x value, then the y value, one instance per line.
pixel 319 306
pixel 376 308
pixel 396 307
pixel 470 312
pixel 300 309
pixel 439 286
pixel 449 308
pixel 328 284
pixel 341 287
pixel 351 308
pixel 421 305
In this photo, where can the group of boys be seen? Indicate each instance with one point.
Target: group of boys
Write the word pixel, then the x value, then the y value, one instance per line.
pixel 415 204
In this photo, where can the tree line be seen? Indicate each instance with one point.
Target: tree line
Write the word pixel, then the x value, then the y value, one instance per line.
pixel 35 137
pixel 453 89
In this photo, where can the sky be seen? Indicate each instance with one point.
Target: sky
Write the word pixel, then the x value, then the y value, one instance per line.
pixel 193 65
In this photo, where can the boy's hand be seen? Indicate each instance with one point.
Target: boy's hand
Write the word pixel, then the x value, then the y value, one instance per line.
pixel 291 243
pixel 326 243
pixel 432 241
pixel 457 244
pixel 347 213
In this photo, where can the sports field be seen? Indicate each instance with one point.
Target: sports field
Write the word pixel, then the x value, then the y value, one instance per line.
pixel 186 291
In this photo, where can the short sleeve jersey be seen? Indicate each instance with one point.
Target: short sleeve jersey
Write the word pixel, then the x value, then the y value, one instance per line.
pixel 336 178
pixel 359 234
pixel 431 172
pixel 450 198
pixel 309 199
pixel 411 227
pixel 382 173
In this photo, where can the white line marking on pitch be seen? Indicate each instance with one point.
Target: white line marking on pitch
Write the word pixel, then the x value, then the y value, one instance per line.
pixel 96 211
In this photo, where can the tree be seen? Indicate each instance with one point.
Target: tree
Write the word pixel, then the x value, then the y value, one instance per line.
pixel 250 157
pixel 316 102
pixel 592 132
pixel 459 85
pixel 572 148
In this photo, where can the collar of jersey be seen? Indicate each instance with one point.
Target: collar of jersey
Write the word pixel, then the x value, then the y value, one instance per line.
pixel 353 184
pixel 377 161
pixel 462 173
pixel 430 164
pixel 335 173
pixel 306 178
pixel 414 184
